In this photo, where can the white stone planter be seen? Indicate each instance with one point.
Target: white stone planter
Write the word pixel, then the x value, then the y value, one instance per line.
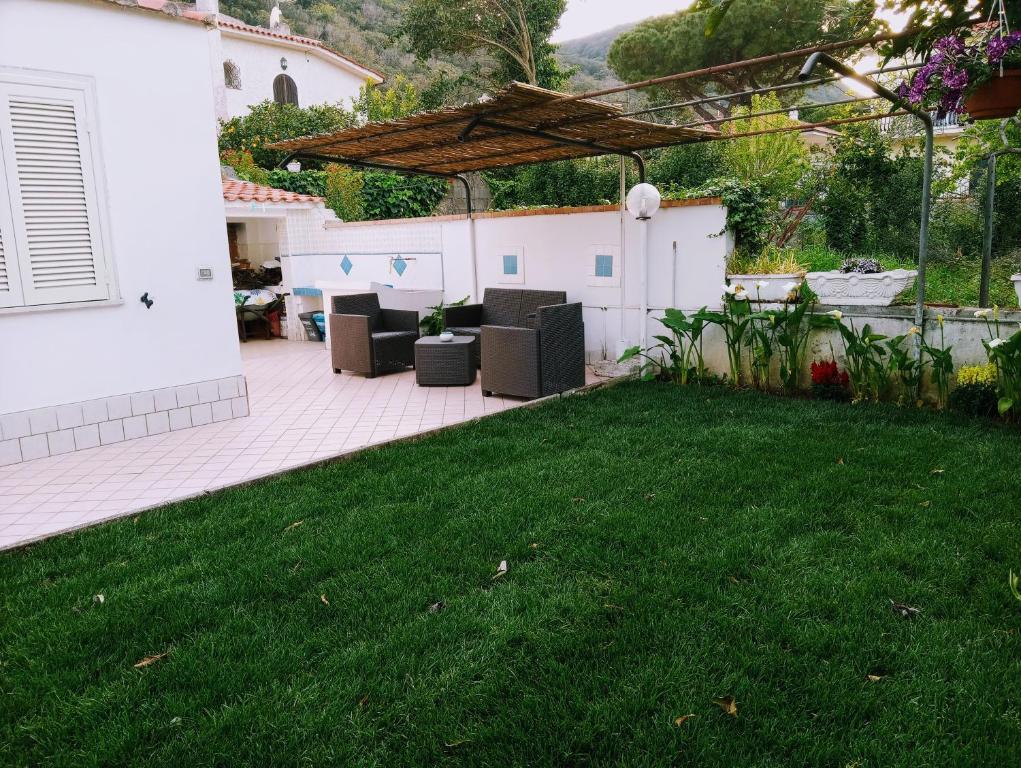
pixel 774 288
pixel 1017 285
pixel 876 290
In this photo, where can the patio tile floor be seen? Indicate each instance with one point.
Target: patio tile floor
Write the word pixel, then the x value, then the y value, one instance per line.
pixel 300 412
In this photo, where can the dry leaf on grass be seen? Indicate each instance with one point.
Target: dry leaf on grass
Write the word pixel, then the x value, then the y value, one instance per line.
pixel 936 472
pixel 293 525
pixel 924 503
pixel 501 570
pixel 728 704
pixel 437 606
pixel 904 610
pixel 681 720
pixel 324 600
pixel 99 599
pixel 840 459
pixel 874 678
pixel 151 660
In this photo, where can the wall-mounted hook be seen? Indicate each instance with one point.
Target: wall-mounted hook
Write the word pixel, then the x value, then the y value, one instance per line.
pixel 146 300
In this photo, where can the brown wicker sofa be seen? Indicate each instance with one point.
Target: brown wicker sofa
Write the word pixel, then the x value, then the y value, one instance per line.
pixel 531 343
pixel 367 339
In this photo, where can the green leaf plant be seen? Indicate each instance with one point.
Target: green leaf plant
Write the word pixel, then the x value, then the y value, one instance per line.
pixel 1005 354
pixel 677 357
pixel 864 355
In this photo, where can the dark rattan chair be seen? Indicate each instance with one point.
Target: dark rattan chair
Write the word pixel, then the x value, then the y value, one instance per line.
pixel 511 307
pixel 367 339
pixel 541 354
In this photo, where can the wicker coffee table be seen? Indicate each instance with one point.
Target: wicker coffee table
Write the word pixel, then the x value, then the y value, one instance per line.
pixel 444 363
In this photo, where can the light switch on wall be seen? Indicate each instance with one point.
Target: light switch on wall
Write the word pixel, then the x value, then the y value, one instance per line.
pixel 205 273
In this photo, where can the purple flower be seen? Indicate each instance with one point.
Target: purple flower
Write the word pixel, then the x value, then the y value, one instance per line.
pixel 955 79
pixel 999 47
pixel 950 45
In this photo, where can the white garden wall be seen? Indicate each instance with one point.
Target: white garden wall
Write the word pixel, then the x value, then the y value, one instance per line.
pixel 554 249
pixel 164 209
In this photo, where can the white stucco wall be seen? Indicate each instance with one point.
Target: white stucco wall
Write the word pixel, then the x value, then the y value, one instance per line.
pixel 164 209
pixel 318 81
pixel 556 251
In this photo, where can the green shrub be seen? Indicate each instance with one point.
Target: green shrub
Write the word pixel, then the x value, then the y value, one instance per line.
pixel 974 399
pixel 344 192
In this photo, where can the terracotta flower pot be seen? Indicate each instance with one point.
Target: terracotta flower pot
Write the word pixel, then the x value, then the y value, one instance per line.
pixel 998 98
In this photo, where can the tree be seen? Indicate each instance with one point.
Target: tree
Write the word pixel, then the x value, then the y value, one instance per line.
pixel 678 43
pixel 514 33
pixel 377 103
pixel 776 161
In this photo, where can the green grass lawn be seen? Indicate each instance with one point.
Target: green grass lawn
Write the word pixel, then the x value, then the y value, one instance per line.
pixel 666 547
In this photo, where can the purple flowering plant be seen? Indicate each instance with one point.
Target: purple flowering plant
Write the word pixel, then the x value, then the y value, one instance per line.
pixel 956 67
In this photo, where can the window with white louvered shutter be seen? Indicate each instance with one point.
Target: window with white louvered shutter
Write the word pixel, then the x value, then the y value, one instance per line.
pixel 10 276
pixel 50 179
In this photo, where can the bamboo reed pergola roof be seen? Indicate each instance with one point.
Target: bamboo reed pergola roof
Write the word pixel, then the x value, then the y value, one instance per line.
pixel 521 124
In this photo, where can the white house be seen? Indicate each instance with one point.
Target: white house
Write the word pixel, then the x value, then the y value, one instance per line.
pixel 260 64
pixel 116 307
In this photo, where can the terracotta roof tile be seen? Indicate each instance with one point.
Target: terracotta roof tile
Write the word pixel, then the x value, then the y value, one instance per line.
pixel 309 41
pixel 235 190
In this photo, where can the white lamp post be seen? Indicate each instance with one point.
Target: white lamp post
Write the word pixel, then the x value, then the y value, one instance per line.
pixel 642 202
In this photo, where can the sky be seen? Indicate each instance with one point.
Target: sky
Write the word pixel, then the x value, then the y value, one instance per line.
pixel 585 17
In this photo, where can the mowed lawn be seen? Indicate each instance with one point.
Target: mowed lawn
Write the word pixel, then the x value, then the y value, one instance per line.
pixel 665 547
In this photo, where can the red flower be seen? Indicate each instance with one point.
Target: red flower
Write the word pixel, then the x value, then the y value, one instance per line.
pixel 826 373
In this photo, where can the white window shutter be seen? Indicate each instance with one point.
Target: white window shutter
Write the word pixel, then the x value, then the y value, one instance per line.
pixel 10 275
pixel 54 202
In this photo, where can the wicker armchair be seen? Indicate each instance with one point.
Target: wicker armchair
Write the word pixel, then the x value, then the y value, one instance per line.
pixel 537 361
pixel 367 339
pixel 511 307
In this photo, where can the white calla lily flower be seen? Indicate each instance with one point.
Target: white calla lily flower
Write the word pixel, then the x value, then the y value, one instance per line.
pixel 791 287
pixel 730 290
pixel 983 312
pixel 741 295
pixel 836 314
pixel 994 343
pixel 761 284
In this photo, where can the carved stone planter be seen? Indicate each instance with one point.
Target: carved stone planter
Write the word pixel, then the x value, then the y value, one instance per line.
pixel 877 290
pixel 774 288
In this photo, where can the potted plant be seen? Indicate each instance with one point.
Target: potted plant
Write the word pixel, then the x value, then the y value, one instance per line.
pixel 774 275
pixel 860 282
pixel 980 75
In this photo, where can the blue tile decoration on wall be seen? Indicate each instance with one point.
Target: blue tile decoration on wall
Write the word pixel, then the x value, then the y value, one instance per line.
pixel 346 265
pixel 307 291
pixel 604 265
pixel 399 265
pixel 510 264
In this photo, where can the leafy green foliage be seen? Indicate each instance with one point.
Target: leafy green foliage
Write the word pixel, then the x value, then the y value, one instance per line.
pixel 678 43
pixel 864 355
pixel 244 166
pixel 432 324
pixel 392 196
pixel 974 399
pixel 514 33
pixel 778 162
pixel 344 196
pixel 302 182
pixel 269 122
pixel 677 357
pixel 747 209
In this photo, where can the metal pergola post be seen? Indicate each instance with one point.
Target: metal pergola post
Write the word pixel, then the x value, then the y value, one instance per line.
pixel 990 210
pixel 923 233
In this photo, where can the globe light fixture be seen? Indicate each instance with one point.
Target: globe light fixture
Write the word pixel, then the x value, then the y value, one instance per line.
pixel 643 201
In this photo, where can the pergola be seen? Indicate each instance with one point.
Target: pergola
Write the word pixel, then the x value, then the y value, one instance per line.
pixel 523 124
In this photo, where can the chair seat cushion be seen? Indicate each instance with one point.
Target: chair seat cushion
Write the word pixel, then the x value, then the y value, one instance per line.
pixel 466 331
pixel 384 336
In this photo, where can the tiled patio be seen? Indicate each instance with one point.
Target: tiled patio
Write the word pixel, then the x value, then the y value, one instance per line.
pixel 300 412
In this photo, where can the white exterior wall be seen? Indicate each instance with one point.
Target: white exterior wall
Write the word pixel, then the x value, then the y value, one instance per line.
pixel 164 208
pixel 318 80
pixel 556 251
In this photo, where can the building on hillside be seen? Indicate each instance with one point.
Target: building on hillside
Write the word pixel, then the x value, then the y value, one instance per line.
pixel 259 64
pixel 115 287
